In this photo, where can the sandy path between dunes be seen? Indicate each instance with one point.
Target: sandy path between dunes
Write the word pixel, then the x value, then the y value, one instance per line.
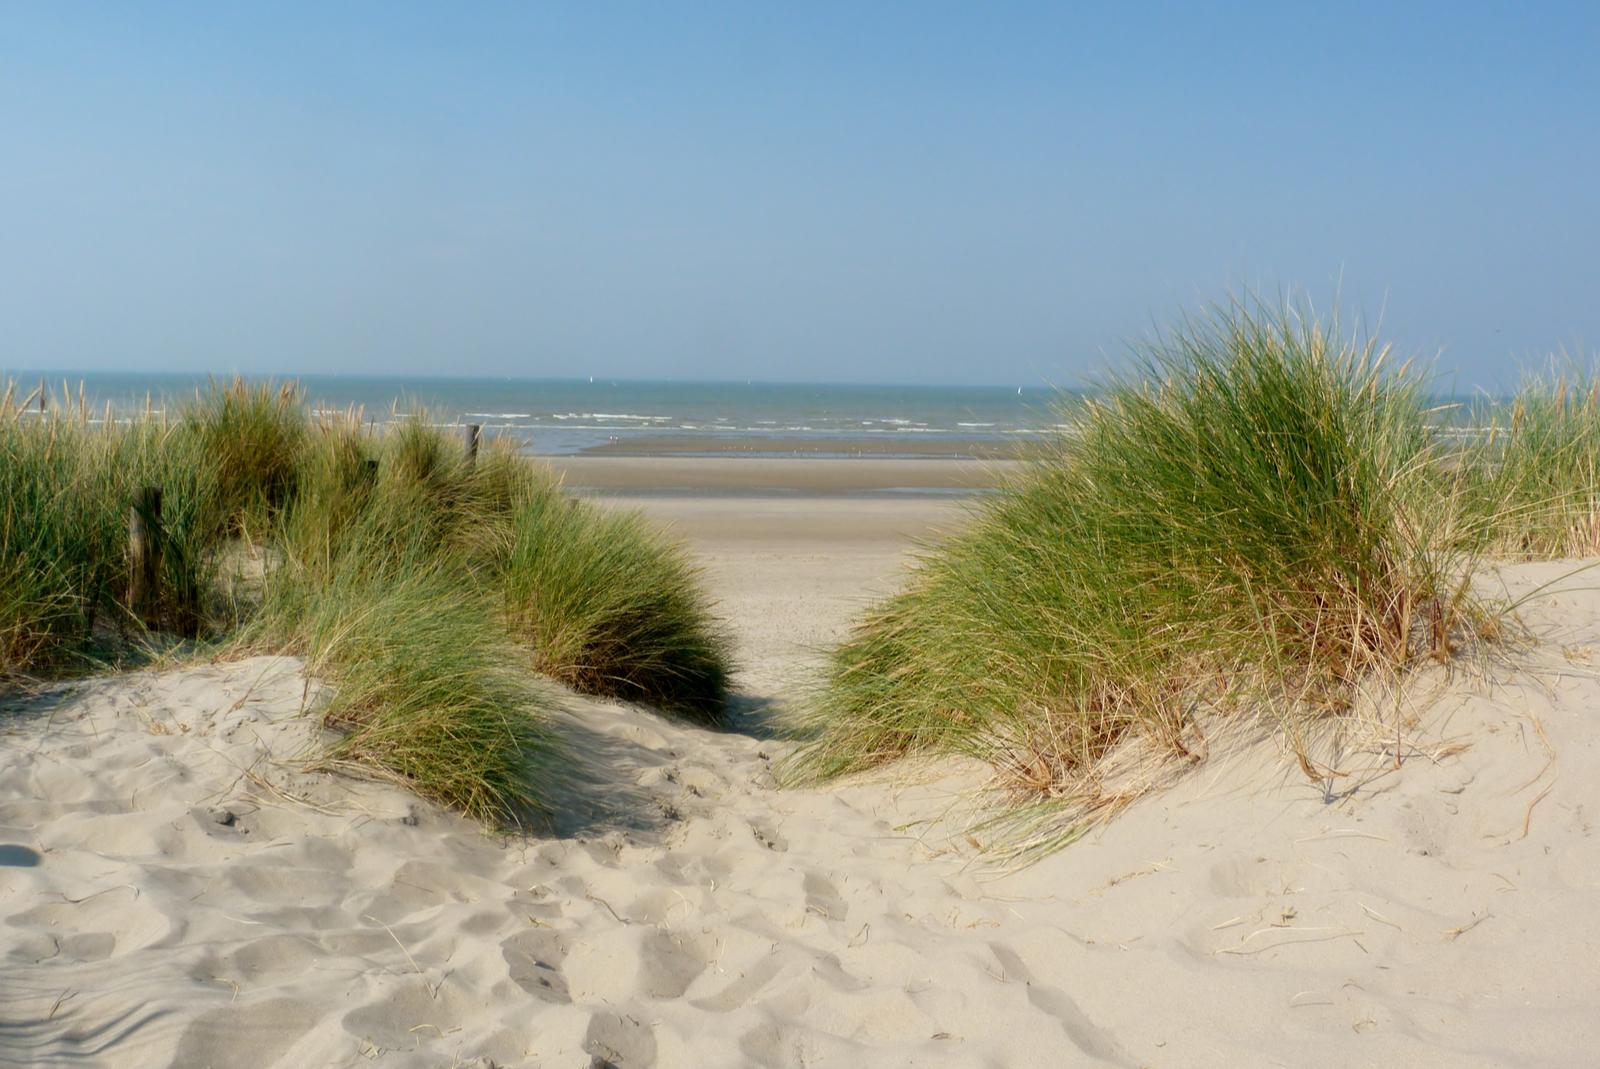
pixel 166 903
pixel 792 574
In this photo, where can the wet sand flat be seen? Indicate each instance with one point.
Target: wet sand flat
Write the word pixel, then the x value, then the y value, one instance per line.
pixel 832 445
pixel 807 475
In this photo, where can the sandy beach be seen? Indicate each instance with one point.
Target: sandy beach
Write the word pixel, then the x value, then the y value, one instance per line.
pixel 766 475
pixel 184 885
pixel 831 446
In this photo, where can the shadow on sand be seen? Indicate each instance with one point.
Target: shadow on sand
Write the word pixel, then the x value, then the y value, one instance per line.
pixel 621 767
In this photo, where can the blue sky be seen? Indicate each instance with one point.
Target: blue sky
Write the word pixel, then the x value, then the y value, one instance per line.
pixel 809 192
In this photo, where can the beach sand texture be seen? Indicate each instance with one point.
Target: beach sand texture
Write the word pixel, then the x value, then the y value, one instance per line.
pixel 766 474
pixel 178 890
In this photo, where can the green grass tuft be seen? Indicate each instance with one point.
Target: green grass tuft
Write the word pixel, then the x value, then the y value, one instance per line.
pixel 607 607
pixel 256 436
pixel 1250 515
pixel 421 684
pixel 392 566
pixel 67 486
pixel 1537 472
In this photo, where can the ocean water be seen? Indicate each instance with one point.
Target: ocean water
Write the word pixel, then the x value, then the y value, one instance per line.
pixel 563 416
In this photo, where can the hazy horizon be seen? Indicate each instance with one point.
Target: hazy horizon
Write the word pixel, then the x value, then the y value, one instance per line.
pixel 902 194
pixel 25 379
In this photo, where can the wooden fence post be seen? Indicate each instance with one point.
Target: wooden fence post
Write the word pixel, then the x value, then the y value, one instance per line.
pixel 144 553
pixel 469 435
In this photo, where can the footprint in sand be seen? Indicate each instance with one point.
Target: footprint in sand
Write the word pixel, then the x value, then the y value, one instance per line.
pixel 768 836
pixel 823 898
pixel 534 958
pixel 667 966
pixel 617 1041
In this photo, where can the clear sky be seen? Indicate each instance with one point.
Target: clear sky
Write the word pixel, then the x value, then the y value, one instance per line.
pixel 926 192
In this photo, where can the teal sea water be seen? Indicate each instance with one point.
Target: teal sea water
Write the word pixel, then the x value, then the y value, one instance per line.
pixel 559 416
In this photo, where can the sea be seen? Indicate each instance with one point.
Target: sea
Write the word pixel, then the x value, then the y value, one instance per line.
pixel 564 416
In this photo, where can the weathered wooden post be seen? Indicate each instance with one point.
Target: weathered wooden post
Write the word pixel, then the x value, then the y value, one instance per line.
pixel 469 436
pixel 41 397
pixel 144 553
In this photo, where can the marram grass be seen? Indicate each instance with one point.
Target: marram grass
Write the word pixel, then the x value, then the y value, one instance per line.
pixel 66 483
pixel 1250 517
pixel 608 609
pixel 1536 475
pixel 419 585
pixel 421 684
pixel 369 587
pixel 255 435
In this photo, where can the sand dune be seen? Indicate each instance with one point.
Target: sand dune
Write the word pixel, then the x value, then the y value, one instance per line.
pixel 178 889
